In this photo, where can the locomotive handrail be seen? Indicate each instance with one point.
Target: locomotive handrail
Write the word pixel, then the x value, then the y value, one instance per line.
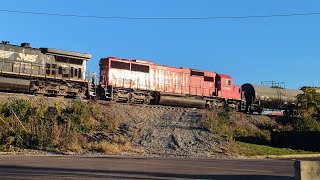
pixel 165 87
pixel 32 69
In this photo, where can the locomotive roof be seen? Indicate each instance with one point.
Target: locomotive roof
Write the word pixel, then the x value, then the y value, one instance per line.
pixel 64 52
pixel 147 62
pixel 262 88
pixel 13 45
pixel 226 76
pixel 54 51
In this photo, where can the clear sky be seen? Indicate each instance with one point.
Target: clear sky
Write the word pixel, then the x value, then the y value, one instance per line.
pixel 251 50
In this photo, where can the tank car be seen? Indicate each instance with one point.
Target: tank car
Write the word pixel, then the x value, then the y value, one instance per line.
pixel 259 97
pixel 44 71
pixel 140 81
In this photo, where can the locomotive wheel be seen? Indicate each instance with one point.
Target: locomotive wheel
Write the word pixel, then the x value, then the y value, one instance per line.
pixel 248 111
pixel 286 113
pixel 132 100
pixel 146 100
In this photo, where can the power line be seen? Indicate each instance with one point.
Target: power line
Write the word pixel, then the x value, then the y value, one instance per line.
pixel 159 18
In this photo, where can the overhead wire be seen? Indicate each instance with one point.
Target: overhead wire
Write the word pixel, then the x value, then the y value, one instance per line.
pixel 159 18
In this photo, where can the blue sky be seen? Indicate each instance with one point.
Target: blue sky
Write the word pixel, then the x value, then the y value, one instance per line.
pixel 251 50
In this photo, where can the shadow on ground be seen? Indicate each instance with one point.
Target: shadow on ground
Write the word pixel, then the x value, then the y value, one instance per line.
pixel 26 172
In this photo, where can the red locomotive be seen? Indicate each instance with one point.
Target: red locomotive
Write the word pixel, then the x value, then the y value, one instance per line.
pixel 139 81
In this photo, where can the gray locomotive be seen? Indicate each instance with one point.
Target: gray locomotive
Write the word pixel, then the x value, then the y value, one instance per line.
pixel 43 71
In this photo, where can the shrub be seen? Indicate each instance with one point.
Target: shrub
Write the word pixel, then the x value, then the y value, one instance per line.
pixel 219 122
pixel 81 112
pixel 79 116
pixel 302 124
pixel 19 107
pixel 106 147
pixel 43 125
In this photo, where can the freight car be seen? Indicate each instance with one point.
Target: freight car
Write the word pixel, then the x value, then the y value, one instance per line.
pixel 43 71
pixel 140 81
pixel 259 98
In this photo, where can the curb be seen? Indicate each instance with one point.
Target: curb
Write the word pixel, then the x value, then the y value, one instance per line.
pixel 291 156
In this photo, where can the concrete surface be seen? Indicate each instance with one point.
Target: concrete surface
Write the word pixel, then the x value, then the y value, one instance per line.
pixel 307 170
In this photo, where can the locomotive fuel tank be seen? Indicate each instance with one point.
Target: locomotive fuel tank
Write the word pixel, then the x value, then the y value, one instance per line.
pixel 14 85
pixel 182 102
pixel 269 97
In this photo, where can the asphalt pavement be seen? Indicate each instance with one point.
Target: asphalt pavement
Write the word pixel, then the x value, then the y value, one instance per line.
pixel 109 167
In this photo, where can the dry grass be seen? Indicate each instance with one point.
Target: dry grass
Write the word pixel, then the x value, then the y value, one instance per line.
pixel 107 148
pixel 114 148
pixel 73 147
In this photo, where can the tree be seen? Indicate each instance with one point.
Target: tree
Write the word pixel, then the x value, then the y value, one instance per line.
pixel 310 103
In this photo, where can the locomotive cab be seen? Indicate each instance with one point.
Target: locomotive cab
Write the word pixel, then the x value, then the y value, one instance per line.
pixel 226 89
pixel 228 92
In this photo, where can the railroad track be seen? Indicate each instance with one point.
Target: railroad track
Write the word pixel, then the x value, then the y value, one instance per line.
pixel 7 94
pixel 15 94
pixel 102 102
pixel 149 106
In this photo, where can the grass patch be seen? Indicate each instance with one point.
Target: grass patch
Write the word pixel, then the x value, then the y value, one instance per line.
pixel 219 122
pixel 247 149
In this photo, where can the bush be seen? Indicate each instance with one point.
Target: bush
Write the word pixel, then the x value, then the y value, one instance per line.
pixel 19 107
pixel 43 125
pixel 34 127
pixel 106 147
pixel 81 113
pixel 219 122
pixel 302 124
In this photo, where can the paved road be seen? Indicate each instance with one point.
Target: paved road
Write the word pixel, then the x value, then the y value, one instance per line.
pixel 77 167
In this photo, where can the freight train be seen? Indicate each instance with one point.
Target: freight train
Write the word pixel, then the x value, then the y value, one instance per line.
pixel 54 72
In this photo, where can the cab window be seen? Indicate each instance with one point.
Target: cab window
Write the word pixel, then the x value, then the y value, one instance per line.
pixel 227 82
